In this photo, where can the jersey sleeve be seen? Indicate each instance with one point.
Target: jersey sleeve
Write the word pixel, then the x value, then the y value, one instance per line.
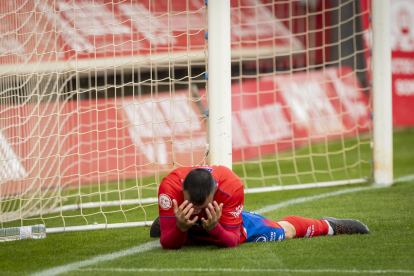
pixel 225 237
pixel 171 236
pixel 166 193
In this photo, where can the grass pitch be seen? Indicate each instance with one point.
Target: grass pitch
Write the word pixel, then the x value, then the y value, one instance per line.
pixel 389 249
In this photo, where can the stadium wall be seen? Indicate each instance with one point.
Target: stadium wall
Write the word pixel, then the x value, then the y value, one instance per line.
pixel 402 46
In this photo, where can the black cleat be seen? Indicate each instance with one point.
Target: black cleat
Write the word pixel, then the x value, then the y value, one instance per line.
pixel 155 231
pixel 346 226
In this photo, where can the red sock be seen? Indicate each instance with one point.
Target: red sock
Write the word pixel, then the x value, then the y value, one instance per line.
pixel 308 228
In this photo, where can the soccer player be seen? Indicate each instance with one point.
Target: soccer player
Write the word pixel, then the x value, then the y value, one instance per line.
pixel 203 205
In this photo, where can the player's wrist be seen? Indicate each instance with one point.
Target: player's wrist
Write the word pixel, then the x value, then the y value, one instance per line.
pixel 182 228
pixel 208 229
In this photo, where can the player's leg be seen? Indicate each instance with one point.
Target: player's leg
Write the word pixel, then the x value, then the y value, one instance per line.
pixel 346 226
pixel 257 228
pixel 297 227
pixel 155 231
pixel 290 230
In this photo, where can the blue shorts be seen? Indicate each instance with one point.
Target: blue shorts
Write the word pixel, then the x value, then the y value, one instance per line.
pixel 261 229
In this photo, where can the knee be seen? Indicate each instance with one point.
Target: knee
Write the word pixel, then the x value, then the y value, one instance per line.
pixel 290 230
pixel 289 234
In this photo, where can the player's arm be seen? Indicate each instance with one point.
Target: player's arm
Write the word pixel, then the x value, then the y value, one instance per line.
pixel 225 237
pixel 174 229
pixel 222 225
pixel 221 236
pixel 171 236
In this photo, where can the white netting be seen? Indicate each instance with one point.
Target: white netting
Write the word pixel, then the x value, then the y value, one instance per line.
pixel 302 116
pixel 99 99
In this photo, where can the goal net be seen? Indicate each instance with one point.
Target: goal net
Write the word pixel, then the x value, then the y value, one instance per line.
pixel 100 99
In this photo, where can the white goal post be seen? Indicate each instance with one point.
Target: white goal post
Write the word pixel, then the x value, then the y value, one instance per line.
pixel 219 83
pixel 381 68
pixel 100 99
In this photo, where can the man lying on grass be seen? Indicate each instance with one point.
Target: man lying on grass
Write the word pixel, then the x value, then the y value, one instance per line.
pixel 203 205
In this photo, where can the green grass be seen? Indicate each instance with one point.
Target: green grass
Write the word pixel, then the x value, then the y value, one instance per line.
pixel 387 211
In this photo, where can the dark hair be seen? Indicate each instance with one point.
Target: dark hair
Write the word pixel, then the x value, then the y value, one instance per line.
pixel 199 184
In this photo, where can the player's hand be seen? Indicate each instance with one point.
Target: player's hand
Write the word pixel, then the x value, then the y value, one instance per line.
pixel 213 215
pixel 183 214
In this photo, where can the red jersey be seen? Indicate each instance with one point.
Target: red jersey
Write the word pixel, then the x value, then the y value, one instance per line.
pixel 230 192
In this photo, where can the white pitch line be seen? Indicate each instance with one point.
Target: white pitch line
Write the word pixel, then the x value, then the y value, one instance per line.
pixel 232 270
pixel 405 178
pixel 154 244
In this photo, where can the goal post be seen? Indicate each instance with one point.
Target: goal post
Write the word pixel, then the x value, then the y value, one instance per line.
pixel 219 83
pixel 100 99
pixel 382 86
